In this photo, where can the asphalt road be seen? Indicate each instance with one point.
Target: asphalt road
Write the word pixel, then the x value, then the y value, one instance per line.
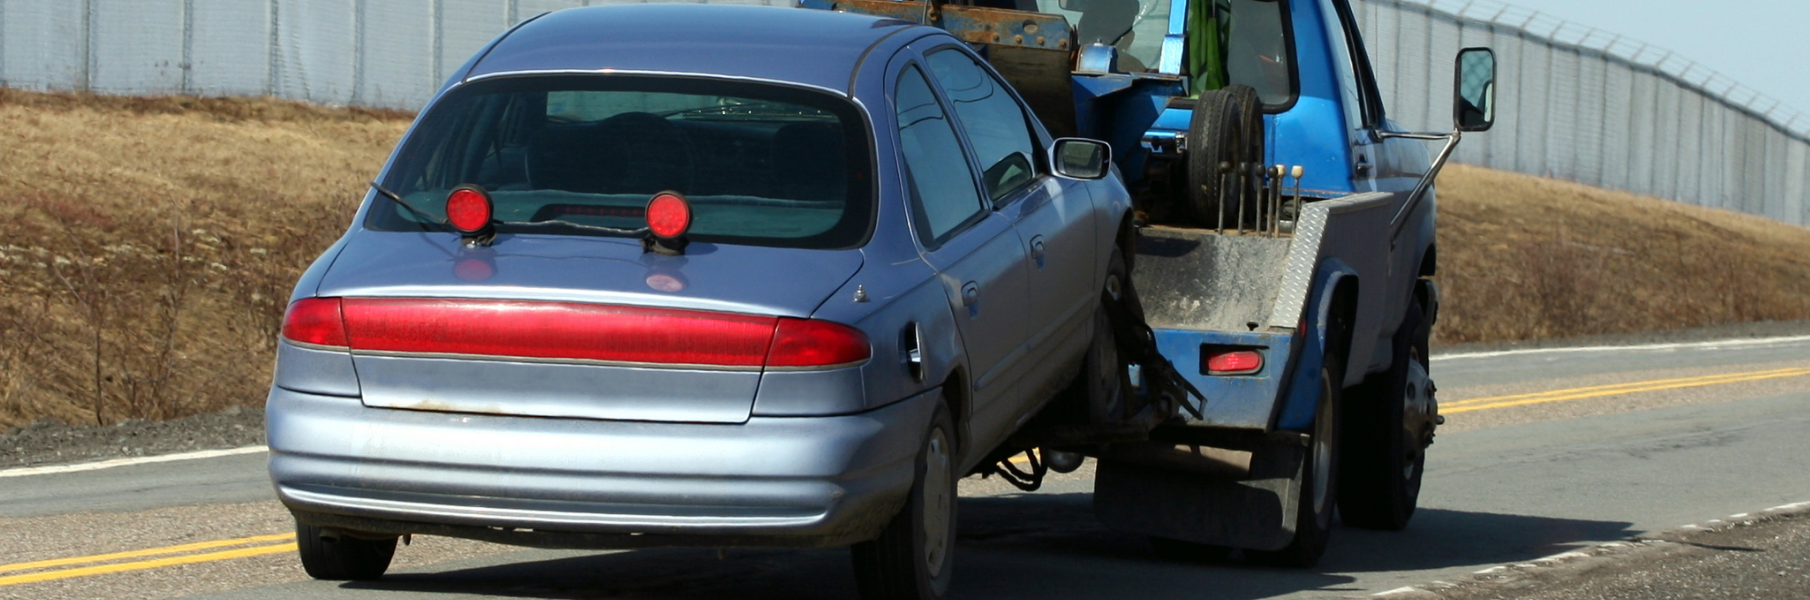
pixel 1544 451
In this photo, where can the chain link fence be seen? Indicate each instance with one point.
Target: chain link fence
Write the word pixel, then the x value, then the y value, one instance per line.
pixel 379 53
pixel 1593 107
pixel 1573 103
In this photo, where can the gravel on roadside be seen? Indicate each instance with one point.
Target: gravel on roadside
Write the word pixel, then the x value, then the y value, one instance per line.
pixel 1766 558
pixel 53 442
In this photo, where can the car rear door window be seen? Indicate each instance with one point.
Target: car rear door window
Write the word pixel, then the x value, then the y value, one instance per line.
pixel 994 120
pixel 941 181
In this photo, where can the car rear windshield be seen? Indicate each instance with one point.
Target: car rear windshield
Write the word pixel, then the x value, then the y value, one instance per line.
pixel 762 164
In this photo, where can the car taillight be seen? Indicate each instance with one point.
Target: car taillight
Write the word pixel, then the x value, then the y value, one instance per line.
pixel 315 321
pixel 804 343
pixel 595 332
pixel 1231 361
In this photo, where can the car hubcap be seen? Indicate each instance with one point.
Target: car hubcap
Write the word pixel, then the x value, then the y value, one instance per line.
pixel 938 501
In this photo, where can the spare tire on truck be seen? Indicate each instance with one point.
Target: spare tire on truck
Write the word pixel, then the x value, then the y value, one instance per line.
pixel 1227 129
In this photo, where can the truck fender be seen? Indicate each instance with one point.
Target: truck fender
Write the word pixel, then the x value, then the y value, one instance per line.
pixel 1335 287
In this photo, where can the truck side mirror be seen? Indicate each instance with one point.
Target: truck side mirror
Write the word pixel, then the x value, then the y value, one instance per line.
pixel 1079 158
pixel 1474 97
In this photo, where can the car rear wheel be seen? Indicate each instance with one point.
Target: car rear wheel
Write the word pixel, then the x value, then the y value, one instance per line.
pixel 340 557
pixel 911 560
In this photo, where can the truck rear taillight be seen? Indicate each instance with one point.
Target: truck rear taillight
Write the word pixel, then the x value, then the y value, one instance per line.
pixel 1230 361
pixel 315 322
pixel 576 332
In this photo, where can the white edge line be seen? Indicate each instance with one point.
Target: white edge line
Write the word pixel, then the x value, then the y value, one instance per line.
pixel 1400 590
pixel 1737 342
pixel 126 462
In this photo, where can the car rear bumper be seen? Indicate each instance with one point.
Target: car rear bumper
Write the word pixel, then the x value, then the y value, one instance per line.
pixel 806 481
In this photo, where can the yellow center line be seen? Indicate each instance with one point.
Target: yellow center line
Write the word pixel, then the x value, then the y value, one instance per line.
pixel 146 564
pixel 76 560
pixel 1615 390
pixel 1682 381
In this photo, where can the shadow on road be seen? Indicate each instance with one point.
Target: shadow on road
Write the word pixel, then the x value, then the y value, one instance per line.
pixel 1030 546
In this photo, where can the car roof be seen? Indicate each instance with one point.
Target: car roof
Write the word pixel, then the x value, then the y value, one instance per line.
pixel 814 47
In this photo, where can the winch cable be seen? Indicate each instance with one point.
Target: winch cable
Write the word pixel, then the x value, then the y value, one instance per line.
pixel 1029 482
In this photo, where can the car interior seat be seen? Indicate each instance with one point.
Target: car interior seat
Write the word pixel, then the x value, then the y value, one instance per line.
pixel 808 162
pixel 630 153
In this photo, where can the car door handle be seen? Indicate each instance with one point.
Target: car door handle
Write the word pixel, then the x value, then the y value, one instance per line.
pixel 1037 250
pixel 970 293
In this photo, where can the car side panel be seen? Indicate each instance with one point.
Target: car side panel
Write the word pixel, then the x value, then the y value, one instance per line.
pixel 1056 222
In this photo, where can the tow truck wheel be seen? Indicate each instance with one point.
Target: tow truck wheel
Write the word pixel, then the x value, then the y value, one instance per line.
pixel 1386 428
pixel 1318 492
pixel 342 557
pixel 911 560
pixel 1227 128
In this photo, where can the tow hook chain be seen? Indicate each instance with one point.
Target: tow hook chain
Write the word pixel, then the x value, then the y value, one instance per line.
pixel 1168 390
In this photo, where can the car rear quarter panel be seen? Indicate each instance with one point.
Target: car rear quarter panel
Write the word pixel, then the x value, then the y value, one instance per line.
pixel 896 287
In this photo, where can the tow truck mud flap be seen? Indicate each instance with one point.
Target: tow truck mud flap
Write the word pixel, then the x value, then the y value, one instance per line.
pixel 1256 513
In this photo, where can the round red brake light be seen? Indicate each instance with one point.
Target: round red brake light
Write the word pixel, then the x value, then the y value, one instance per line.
pixel 668 215
pixel 468 209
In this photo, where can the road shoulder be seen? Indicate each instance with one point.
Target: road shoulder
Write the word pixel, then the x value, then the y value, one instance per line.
pixel 1759 555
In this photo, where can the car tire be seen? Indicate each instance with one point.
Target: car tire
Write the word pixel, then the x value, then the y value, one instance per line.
pixel 342 557
pixel 1385 450
pixel 913 557
pixel 1317 497
pixel 1227 127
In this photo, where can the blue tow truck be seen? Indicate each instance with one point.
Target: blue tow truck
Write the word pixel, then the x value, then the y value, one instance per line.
pixel 1281 297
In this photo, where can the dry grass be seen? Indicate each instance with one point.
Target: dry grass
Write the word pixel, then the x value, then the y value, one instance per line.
pixel 1524 258
pixel 149 244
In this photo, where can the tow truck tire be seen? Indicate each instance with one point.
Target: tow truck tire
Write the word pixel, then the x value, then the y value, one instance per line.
pixel 1227 127
pixel 1385 450
pixel 342 557
pixel 912 558
pixel 1318 492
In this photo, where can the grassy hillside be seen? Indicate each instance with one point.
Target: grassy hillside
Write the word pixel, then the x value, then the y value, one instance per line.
pixel 149 243
pixel 1524 258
